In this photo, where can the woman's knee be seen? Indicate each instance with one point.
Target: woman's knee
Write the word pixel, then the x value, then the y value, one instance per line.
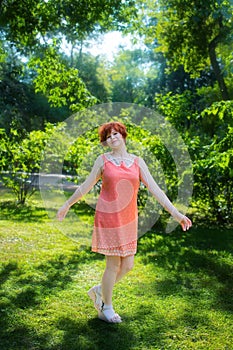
pixel 127 264
pixel 113 263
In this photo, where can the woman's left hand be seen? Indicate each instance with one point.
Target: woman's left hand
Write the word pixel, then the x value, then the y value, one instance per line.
pixel 63 211
pixel 185 223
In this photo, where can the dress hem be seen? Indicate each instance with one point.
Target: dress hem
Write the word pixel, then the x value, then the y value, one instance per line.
pixel 124 250
pixel 121 254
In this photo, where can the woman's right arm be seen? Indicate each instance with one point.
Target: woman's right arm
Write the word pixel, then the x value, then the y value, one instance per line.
pixel 84 188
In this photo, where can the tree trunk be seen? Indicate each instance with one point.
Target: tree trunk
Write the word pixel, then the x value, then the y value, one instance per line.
pixel 217 70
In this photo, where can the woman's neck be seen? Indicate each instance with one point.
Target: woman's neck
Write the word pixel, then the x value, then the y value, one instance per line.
pixel 120 152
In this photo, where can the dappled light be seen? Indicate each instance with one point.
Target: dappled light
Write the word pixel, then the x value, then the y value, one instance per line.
pixel 164 69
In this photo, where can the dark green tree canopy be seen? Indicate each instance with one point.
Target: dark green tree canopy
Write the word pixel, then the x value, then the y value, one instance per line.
pixel 189 33
pixel 27 22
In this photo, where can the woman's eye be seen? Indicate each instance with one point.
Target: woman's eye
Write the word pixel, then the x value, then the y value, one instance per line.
pixel 113 134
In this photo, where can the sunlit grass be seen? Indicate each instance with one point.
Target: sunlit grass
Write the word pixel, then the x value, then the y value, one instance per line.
pixel 178 296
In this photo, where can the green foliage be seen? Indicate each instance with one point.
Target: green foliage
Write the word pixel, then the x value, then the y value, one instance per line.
pixel 216 118
pixel 31 110
pixel 59 83
pixel 185 113
pixel 128 76
pixel 32 27
pixel 208 134
pixel 20 160
pixel 189 33
pixel 82 154
pixel 179 109
pixel 27 23
pixel 186 29
pixel 178 296
pixel 214 179
pixel 94 73
pixel 2 53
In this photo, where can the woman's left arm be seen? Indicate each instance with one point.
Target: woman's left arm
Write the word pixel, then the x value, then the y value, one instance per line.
pixel 161 197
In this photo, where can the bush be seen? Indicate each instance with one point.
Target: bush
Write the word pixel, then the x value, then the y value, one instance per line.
pixel 214 178
pixel 20 159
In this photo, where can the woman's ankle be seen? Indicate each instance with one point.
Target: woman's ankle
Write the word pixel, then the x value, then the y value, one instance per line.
pixel 108 310
pixel 109 314
pixel 106 306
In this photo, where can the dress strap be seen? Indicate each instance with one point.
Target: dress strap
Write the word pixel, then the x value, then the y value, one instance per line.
pixel 105 160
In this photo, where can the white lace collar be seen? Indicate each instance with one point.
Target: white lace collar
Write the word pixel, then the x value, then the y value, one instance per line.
pixel 128 161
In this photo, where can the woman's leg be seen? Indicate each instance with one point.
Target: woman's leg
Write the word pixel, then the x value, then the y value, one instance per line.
pixel 116 268
pixel 126 265
pixel 113 264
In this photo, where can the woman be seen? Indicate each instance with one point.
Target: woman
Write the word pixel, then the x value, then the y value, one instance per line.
pixel 115 227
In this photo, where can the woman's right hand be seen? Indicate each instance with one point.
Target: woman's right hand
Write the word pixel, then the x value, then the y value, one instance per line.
pixel 63 211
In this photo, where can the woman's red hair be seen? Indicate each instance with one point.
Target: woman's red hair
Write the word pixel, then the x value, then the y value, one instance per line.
pixel 105 130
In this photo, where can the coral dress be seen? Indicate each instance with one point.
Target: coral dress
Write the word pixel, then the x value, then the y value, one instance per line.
pixel 116 217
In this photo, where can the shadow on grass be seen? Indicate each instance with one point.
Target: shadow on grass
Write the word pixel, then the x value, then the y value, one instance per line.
pixel 195 262
pixel 21 212
pixel 142 327
pixel 94 335
pixel 22 337
pixel 25 288
pixel 23 292
pixel 29 213
pixel 50 277
pixel 76 335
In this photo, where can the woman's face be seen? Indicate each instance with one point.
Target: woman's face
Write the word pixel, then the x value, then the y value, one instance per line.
pixel 114 139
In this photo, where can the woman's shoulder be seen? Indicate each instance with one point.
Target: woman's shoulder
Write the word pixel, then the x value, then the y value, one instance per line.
pixel 132 155
pixel 99 160
pixel 141 162
pixel 135 156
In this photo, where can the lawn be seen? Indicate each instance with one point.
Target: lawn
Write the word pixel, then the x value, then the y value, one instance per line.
pixel 178 296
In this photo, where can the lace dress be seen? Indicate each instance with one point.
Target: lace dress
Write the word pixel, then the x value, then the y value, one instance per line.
pixel 116 217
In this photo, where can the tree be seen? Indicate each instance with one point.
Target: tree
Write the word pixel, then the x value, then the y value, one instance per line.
pixel 190 32
pixel 27 23
pixel 94 73
pixel 59 82
pixel 31 110
pixel 37 28
pixel 20 160
pixel 128 74
pixel 164 77
pixel 213 173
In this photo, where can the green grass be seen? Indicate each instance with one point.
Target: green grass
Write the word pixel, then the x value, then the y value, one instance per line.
pixel 178 296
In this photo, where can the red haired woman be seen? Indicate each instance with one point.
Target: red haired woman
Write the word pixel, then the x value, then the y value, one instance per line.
pixel 116 217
